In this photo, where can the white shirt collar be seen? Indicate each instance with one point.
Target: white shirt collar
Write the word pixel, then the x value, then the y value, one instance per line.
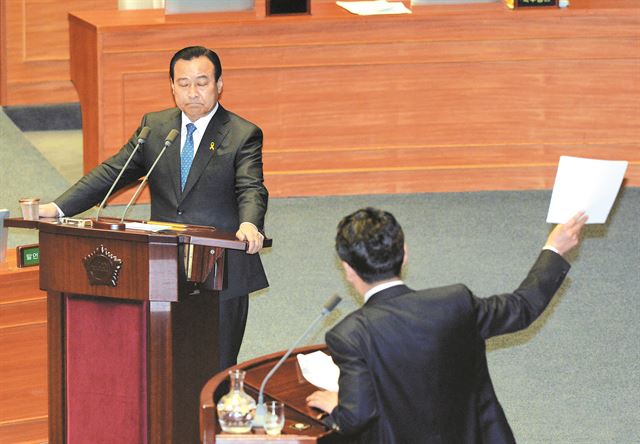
pixel 378 288
pixel 202 123
pixel 201 126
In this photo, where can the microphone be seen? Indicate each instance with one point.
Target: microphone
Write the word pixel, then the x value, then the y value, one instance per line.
pixel 142 138
pixel 261 409
pixel 167 143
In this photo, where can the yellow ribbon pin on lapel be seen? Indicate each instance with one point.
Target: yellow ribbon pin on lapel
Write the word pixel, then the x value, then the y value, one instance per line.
pixel 212 146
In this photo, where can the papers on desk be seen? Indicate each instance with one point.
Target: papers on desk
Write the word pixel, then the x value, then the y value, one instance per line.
pixel 318 368
pixel 378 7
pixel 589 185
pixel 154 228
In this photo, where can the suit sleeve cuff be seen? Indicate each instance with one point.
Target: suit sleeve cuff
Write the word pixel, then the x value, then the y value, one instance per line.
pixel 60 212
pixel 551 248
pixel 331 423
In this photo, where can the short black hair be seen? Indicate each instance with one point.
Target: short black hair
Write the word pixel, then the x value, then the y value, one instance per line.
pixel 193 52
pixel 371 241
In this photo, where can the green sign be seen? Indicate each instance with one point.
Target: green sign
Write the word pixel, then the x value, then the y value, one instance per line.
pixel 29 256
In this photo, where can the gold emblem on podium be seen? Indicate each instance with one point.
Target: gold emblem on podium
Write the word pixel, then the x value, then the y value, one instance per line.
pixel 102 267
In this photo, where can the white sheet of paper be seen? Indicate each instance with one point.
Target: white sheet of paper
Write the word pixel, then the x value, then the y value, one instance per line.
pixel 589 185
pixel 376 7
pixel 146 227
pixel 319 369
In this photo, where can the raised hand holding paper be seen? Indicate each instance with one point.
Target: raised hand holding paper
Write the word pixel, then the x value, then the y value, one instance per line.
pixel 589 185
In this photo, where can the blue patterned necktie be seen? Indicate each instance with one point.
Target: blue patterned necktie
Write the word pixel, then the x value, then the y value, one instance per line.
pixel 186 157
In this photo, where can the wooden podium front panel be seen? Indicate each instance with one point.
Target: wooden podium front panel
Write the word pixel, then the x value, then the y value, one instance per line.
pixel 148 270
pixel 124 366
pixel 106 370
pixel 65 270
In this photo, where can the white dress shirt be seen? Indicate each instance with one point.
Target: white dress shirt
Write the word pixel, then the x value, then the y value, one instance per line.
pixel 378 288
pixel 201 125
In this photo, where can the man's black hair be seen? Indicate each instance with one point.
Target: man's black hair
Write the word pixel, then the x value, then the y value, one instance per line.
pixel 371 241
pixel 193 52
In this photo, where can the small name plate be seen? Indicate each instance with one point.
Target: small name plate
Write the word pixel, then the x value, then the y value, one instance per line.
pixel 281 7
pixel 28 255
pixel 535 3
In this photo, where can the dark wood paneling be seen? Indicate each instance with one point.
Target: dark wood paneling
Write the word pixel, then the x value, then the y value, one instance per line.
pixel 160 372
pixel 56 360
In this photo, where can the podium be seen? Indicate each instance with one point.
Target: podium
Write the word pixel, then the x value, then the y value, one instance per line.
pixel 287 385
pixel 131 340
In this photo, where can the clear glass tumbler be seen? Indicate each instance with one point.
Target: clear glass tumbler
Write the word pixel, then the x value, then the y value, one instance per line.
pixel 30 208
pixel 274 418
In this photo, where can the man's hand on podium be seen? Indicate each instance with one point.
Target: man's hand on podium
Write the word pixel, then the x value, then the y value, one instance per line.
pixel 323 400
pixel 48 210
pixel 249 233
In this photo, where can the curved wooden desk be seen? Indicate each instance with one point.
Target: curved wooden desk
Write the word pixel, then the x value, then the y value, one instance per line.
pixel 286 385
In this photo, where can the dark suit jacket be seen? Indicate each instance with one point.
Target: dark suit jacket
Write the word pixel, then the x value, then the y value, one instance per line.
pixel 413 367
pixel 224 188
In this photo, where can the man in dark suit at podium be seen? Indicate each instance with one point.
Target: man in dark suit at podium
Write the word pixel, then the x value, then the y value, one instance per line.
pixel 214 178
pixel 412 363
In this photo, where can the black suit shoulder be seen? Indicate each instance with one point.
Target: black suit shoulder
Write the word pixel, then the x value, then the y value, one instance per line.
pixel 236 119
pixel 162 115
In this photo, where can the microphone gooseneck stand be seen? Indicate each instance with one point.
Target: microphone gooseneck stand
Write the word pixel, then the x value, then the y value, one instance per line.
pixel 142 138
pixel 261 409
pixel 167 143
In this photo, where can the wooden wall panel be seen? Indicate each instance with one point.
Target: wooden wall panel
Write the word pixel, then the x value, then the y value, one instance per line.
pixel 443 76
pixel 3 52
pixel 543 101
pixel 454 103
pixel 467 80
pixel 432 157
pixel 35 50
pixel 23 354
pixel 431 169
pixel 414 180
